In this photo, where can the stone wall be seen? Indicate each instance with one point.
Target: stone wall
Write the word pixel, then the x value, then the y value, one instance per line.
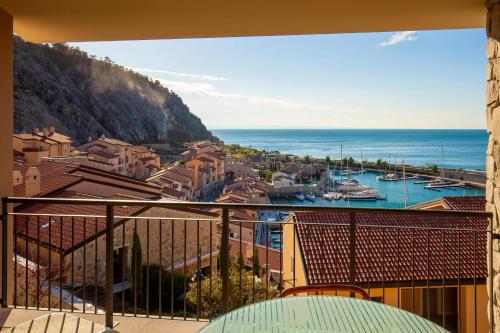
pixel 493 151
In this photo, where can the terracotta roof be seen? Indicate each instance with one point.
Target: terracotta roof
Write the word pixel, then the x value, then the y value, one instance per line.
pixel 173 192
pixel 103 153
pixel 183 171
pixel 115 142
pixel 61 227
pixel 175 176
pixel 140 149
pixel 54 136
pixel 53 176
pixel 34 137
pixel 477 203
pixel 325 247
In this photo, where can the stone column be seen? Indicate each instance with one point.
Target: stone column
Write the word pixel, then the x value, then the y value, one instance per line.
pixel 6 123
pixel 493 151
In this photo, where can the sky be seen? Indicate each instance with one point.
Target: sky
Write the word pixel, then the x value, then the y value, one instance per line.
pixel 423 79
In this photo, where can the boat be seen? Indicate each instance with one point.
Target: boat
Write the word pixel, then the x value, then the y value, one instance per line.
pixel 444 184
pixel 327 196
pixel 390 177
pixel 310 197
pixel 347 182
pixel 368 195
pixel 300 196
pixel 332 196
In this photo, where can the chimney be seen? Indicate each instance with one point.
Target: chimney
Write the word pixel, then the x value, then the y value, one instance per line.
pixel 17 177
pixel 52 130
pixel 89 139
pixel 36 130
pixel 32 181
pixel 103 136
pixel 45 132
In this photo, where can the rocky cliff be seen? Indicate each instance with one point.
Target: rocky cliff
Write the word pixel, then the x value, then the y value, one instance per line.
pixel 56 85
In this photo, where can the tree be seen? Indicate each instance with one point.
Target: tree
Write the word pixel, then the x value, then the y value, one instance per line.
pixel 328 160
pixel 307 159
pixel 239 294
pixel 379 164
pixel 256 263
pixel 269 177
pixel 136 266
pixel 434 169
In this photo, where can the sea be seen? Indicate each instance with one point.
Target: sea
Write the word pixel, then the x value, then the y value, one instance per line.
pixel 446 148
pixel 464 149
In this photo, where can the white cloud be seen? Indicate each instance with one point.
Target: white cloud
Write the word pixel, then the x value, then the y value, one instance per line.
pixel 204 89
pixel 400 37
pixel 179 74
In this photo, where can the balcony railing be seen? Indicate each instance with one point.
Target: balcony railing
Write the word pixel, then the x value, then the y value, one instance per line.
pixel 200 260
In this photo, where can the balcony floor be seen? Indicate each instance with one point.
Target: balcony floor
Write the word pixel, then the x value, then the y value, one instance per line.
pixel 23 321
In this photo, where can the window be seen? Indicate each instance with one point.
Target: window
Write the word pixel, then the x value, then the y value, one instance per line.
pixel 429 301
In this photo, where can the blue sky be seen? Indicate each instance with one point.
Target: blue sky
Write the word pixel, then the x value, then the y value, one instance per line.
pixel 424 79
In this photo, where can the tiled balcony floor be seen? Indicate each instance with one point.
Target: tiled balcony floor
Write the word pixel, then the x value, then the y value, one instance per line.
pixel 23 322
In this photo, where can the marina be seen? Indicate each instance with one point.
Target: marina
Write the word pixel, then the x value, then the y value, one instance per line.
pixel 359 191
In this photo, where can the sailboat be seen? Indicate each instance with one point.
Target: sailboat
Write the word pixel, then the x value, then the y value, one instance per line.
pixel 311 196
pixel 300 196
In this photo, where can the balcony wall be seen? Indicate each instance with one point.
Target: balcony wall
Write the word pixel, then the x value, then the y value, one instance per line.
pixel 493 152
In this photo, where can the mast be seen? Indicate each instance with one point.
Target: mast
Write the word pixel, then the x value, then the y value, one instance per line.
pixel 341 161
pixel 361 161
pixel 404 184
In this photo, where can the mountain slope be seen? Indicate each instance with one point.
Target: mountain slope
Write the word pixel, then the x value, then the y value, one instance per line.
pixel 55 85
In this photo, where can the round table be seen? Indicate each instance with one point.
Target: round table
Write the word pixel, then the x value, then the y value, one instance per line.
pixel 320 314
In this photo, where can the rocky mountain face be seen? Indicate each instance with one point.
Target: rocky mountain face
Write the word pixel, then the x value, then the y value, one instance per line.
pixel 56 85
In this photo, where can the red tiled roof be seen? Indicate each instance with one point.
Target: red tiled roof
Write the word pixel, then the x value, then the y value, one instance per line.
pixel 62 241
pixel 103 153
pixel 175 176
pixel 384 254
pixel 477 203
pixel 183 171
pixel 173 192
pixel 53 176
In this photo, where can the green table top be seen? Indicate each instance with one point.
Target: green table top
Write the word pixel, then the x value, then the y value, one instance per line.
pixel 320 314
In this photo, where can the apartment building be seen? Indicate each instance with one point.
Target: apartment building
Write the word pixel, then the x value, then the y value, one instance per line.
pixel 33 147
pixel 126 159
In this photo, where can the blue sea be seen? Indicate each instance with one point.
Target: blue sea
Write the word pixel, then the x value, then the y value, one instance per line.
pixel 445 148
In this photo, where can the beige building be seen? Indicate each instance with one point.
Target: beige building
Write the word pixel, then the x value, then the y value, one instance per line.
pixel 208 162
pixel 134 161
pixel 42 144
pixel 146 162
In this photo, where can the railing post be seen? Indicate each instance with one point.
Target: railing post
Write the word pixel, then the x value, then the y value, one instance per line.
pixel 224 259
pixel 108 293
pixel 352 249
pixel 5 257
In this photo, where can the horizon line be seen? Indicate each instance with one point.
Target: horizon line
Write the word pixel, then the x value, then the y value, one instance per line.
pixel 349 128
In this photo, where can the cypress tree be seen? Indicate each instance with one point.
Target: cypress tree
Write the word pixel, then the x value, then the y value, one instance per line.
pixel 136 264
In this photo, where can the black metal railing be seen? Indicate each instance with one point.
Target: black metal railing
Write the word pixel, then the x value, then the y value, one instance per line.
pixel 200 260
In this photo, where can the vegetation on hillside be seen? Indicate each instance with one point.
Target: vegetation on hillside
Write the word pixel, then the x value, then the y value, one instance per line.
pixel 82 96
pixel 238 151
